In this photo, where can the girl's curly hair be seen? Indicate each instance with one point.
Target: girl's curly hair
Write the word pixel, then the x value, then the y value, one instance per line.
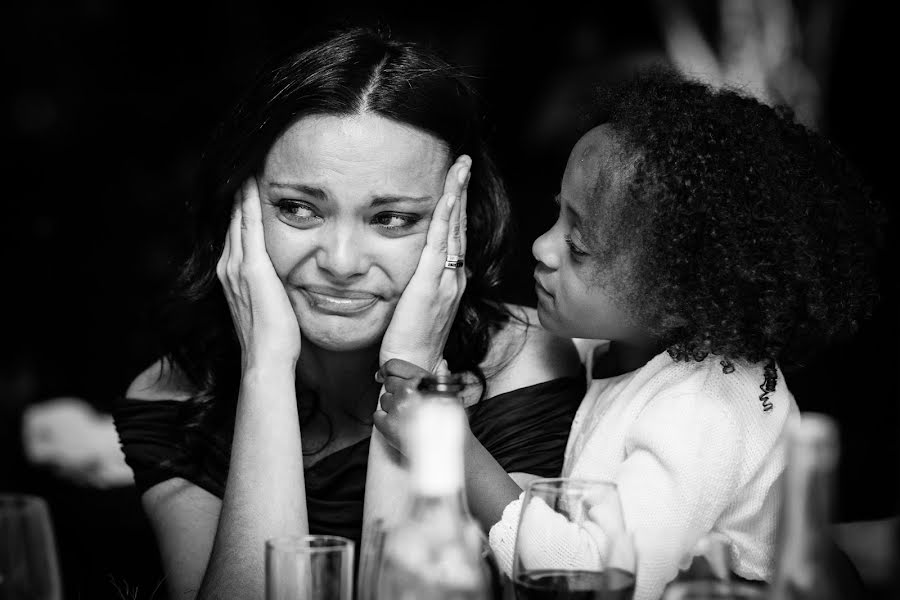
pixel 749 236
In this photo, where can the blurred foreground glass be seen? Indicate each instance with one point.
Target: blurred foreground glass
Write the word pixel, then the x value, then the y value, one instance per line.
pixel 572 543
pixel 370 561
pixel 714 590
pixel 312 567
pixel 29 569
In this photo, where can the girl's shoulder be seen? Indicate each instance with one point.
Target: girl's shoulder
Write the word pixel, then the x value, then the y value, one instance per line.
pixel 743 391
pixel 522 353
pixel 163 380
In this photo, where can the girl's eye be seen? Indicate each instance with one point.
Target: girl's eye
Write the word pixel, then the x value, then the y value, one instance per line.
pixel 297 212
pixel 395 221
pixel 573 248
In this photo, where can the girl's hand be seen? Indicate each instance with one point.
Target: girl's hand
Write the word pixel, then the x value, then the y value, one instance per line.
pixel 263 317
pixel 399 378
pixel 421 323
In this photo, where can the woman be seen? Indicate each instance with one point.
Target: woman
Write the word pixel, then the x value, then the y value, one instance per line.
pixel 340 195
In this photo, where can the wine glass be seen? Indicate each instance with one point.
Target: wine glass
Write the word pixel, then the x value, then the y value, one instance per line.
pixel 29 569
pixel 309 567
pixel 572 543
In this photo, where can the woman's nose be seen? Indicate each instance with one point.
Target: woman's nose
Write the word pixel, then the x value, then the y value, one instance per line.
pixel 545 251
pixel 342 255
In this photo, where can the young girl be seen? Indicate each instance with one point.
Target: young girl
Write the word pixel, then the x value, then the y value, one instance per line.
pixel 712 241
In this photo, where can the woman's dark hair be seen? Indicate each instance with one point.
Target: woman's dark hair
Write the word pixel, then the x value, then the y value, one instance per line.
pixel 353 71
pixel 752 237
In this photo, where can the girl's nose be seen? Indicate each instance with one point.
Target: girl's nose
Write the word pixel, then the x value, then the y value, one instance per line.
pixel 545 251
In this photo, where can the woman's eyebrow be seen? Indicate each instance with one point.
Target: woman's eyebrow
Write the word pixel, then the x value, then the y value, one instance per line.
pixel 317 193
pixel 381 200
pixel 322 195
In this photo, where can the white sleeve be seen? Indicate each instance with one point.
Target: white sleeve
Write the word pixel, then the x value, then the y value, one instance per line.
pixel 552 540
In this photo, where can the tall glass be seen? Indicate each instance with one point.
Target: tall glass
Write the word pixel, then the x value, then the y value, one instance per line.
pixel 311 567
pixel 572 543
pixel 29 569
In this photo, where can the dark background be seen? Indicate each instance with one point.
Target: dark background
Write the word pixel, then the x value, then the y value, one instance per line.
pixel 106 110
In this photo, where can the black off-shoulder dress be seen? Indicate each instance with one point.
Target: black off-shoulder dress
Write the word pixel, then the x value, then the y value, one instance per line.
pixel 525 430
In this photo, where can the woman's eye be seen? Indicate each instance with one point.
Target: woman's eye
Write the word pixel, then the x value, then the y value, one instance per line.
pixel 395 221
pixel 297 212
pixel 573 247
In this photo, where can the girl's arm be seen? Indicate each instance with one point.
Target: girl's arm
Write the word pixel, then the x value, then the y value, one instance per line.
pixel 488 486
pixel 489 489
pixel 536 357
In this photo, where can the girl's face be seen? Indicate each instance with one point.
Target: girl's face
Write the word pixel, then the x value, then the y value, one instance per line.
pixel 570 301
pixel 346 205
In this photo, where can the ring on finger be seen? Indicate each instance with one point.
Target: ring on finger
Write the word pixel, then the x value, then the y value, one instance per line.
pixel 454 261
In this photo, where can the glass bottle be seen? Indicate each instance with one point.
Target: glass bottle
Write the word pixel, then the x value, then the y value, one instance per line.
pixel 436 552
pixel 807 565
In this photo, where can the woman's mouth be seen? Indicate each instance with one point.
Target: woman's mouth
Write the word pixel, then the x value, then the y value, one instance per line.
pixel 338 302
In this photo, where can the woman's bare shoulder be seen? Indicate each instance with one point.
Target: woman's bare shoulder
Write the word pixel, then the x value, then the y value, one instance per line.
pixel 162 380
pixel 523 353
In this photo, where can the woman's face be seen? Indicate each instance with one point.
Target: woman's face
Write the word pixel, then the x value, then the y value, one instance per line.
pixel 346 205
pixel 571 301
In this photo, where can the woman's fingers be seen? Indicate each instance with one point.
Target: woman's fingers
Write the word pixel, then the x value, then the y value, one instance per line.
pixel 453 229
pixel 232 246
pixel 435 251
pixel 453 182
pixel 224 257
pixel 443 226
pixel 443 368
pixel 397 367
pixel 463 217
pixel 252 240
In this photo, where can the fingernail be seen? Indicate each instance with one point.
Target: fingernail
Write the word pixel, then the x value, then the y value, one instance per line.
pixel 451 201
pixel 463 175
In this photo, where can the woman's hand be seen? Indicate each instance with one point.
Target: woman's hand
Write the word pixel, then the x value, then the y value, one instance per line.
pixel 262 313
pixel 421 323
pixel 399 378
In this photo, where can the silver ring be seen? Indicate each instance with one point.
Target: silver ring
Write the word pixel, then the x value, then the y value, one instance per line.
pixel 454 261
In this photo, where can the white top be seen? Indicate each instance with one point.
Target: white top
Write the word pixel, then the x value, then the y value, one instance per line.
pixel 692 450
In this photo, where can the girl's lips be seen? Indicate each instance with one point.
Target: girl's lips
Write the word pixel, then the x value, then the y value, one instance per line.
pixel 338 302
pixel 541 289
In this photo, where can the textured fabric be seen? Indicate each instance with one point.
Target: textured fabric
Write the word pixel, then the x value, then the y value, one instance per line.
pixel 692 451
pixel 526 430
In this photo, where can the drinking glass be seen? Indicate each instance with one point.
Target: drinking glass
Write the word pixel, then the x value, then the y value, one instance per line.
pixel 572 543
pixel 311 567
pixel 714 590
pixel 29 569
